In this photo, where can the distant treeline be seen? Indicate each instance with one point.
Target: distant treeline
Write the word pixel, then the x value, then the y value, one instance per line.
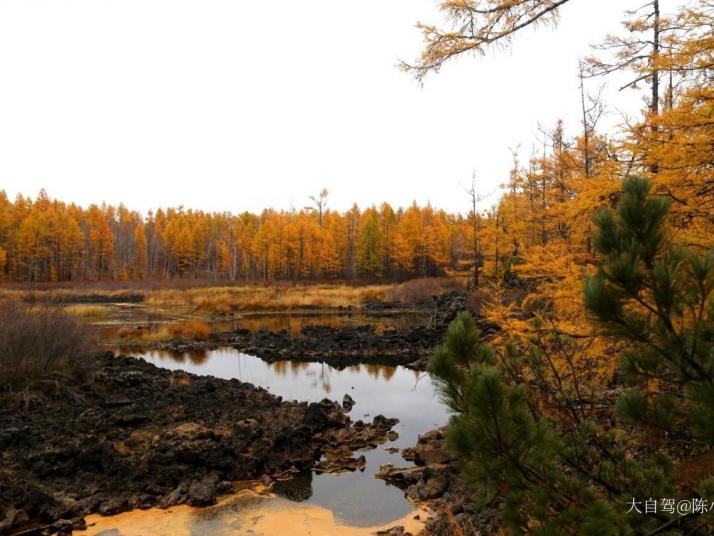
pixel 49 240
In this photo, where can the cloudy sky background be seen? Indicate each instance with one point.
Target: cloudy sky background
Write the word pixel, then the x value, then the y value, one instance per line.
pixel 235 105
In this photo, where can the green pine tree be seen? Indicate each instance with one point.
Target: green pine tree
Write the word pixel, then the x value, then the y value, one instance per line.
pixel 521 436
pixel 658 298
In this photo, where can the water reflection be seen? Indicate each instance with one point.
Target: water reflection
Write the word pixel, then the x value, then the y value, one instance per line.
pixel 140 317
pixel 295 322
pixel 298 488
pixel 248 513
pixel 357 499
pixel 195 357
pixel 318 373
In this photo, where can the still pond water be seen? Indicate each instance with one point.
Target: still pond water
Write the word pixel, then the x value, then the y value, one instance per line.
pixel 353 500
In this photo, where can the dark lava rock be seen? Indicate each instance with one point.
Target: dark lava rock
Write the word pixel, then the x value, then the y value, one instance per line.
pixel 348 402
pixel 296 488
pixel 429 450
pixel 113 506
pixel 393 531
pixel 87 298
pixel 203 492
pixel 13 518
pixel 429 488
pixel 380 421
pixel 434 479
pixel 339 444
pixel 349 345
pixel 137 436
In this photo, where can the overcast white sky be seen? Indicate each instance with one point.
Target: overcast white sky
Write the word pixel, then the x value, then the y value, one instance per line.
pixel 238 105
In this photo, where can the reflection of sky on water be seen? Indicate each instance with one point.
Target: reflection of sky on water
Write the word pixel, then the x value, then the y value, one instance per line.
pixel 244 514
pixel 119 315
pixel 358 498
pixel 294 322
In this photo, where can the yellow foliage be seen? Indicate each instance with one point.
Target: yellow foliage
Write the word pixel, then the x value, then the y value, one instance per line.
pixel 191 329
pixel 89 311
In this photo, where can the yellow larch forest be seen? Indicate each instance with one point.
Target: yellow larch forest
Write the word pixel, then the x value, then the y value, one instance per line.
pixel 539 229
pixel 48 240
pixel 537 240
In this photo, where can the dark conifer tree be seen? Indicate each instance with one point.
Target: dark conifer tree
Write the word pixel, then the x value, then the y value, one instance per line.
pixel 532 446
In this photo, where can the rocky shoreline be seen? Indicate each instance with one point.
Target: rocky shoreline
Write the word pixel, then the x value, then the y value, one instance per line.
pixel 136 436
pixel 341 347
pixel 433 481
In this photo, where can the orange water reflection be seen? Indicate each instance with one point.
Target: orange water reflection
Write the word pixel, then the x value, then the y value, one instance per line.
pixel 355 499
pixel 246 513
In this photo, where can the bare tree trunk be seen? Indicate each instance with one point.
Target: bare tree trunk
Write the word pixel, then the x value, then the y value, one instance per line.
pixel 655 60
pixel 654 105
pixel 474 200
pixel 586 129
pixel 498 223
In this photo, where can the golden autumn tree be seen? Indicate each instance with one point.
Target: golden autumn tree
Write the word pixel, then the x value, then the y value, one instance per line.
pixel 3 263
pixel 140 250
pixel 387 224
pixel 370 247
pixel 679 140
pixel 647 40
pixel 48 240
pixel 541 227
pixel 330 246
pixel 100 244
pixel 476 26
pixel 6 225
pixel 33 241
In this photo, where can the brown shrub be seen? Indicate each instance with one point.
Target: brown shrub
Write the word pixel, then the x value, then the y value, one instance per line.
pixel 423 288
pixel 36 341
pixel 476 300
pixel 275 297
pixel 124 332
pixel 193 329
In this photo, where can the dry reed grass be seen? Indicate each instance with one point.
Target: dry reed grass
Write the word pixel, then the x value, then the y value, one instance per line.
pixel 189 329
pixel 418 289
pixel 36 341
pixel 88 311
pixel 227 298
pixel 192 329
pixel 268 298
